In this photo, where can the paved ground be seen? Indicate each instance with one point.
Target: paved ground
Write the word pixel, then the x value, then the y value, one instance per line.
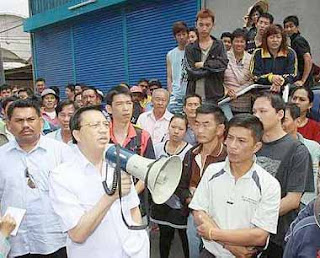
pixel 176 249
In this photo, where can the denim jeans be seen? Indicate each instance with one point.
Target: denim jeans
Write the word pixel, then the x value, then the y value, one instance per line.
pixel 193 238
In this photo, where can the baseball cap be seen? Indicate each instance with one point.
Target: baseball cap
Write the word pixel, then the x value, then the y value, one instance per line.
pixel 49 91
pixel 136 89
pixel 155 82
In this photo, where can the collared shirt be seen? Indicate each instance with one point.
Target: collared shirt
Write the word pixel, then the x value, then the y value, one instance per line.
pixel 158 129
pixel 218 154
pixel 190 136
pixel 252 200
pixel 75 188
pixel 146 148
pixel 57 135
pixel 40 231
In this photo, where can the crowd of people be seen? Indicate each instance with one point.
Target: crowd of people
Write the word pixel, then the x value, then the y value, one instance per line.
pixel 249 165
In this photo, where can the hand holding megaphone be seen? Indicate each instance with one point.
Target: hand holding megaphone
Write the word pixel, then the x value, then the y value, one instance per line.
pixel 161 176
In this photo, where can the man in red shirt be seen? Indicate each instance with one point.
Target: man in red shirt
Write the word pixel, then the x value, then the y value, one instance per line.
pixel 122 131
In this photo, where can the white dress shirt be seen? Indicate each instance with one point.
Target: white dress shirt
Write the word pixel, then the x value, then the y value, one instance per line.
pixel 40 231
pixel 158 129
pixel 75 188
pixel 58 136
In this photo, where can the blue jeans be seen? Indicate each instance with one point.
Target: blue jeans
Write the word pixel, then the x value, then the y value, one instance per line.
pixel 194 239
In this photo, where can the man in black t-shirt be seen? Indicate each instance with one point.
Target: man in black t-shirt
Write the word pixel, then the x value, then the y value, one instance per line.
pixel 286 159
pixel 302 48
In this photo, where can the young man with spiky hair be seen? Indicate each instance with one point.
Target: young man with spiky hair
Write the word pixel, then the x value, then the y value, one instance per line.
pixel 206 61
pixel 174 67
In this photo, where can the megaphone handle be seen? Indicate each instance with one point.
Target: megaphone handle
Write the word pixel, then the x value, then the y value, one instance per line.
pixel 141 227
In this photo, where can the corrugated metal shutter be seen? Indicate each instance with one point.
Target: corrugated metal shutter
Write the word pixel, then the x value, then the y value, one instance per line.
pixel 150 37
pixel 54 55
pixel 98 49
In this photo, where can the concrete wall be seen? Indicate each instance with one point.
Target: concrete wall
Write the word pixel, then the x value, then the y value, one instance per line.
pixel 229 15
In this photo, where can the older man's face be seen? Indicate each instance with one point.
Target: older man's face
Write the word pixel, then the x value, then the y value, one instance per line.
pixel 160 101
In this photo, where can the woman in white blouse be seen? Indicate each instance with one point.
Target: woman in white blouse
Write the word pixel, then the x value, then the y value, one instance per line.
pixel 168 215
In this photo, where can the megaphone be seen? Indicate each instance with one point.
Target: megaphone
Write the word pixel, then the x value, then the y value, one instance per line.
pixel 163 174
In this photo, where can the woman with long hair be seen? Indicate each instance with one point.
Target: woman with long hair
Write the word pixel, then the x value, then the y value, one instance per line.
pixel 308 127
pixel 274 63
pixel 169 215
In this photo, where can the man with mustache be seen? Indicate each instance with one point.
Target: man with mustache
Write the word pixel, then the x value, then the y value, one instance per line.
pixel 25 165
pixel 91 217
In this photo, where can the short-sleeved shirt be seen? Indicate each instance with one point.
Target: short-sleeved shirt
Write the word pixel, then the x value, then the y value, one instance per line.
pixel 252 200
pixel 158 129
pixel 75 188
pixel 40 231
pixel 314 150
pixel 311 130
pixel 294 174
pixel 301 46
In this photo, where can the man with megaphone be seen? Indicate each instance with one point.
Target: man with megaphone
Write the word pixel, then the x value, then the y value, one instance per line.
pixel 91 217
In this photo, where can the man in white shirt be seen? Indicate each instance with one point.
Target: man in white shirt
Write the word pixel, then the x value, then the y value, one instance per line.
pixel 236 204
pixel 156 122
pixel 64 110
pixel 92 218
pixel 25 165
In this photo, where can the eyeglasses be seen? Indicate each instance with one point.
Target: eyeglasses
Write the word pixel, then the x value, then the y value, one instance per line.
pixel 96 125
pixel 30 181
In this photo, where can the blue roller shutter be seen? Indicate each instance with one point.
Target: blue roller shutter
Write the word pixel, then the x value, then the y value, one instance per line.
pixel 98 49
pixel 149 35
pixel 54 55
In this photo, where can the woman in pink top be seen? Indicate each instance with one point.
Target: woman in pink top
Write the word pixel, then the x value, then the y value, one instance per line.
pixel 237 75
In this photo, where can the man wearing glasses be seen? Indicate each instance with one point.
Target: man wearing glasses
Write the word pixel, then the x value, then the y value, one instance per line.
pixel 92 218
pixel 25 165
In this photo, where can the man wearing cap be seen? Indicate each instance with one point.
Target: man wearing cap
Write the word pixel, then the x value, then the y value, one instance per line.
pixel 137 96
pixel 303 236
pixel 50 100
